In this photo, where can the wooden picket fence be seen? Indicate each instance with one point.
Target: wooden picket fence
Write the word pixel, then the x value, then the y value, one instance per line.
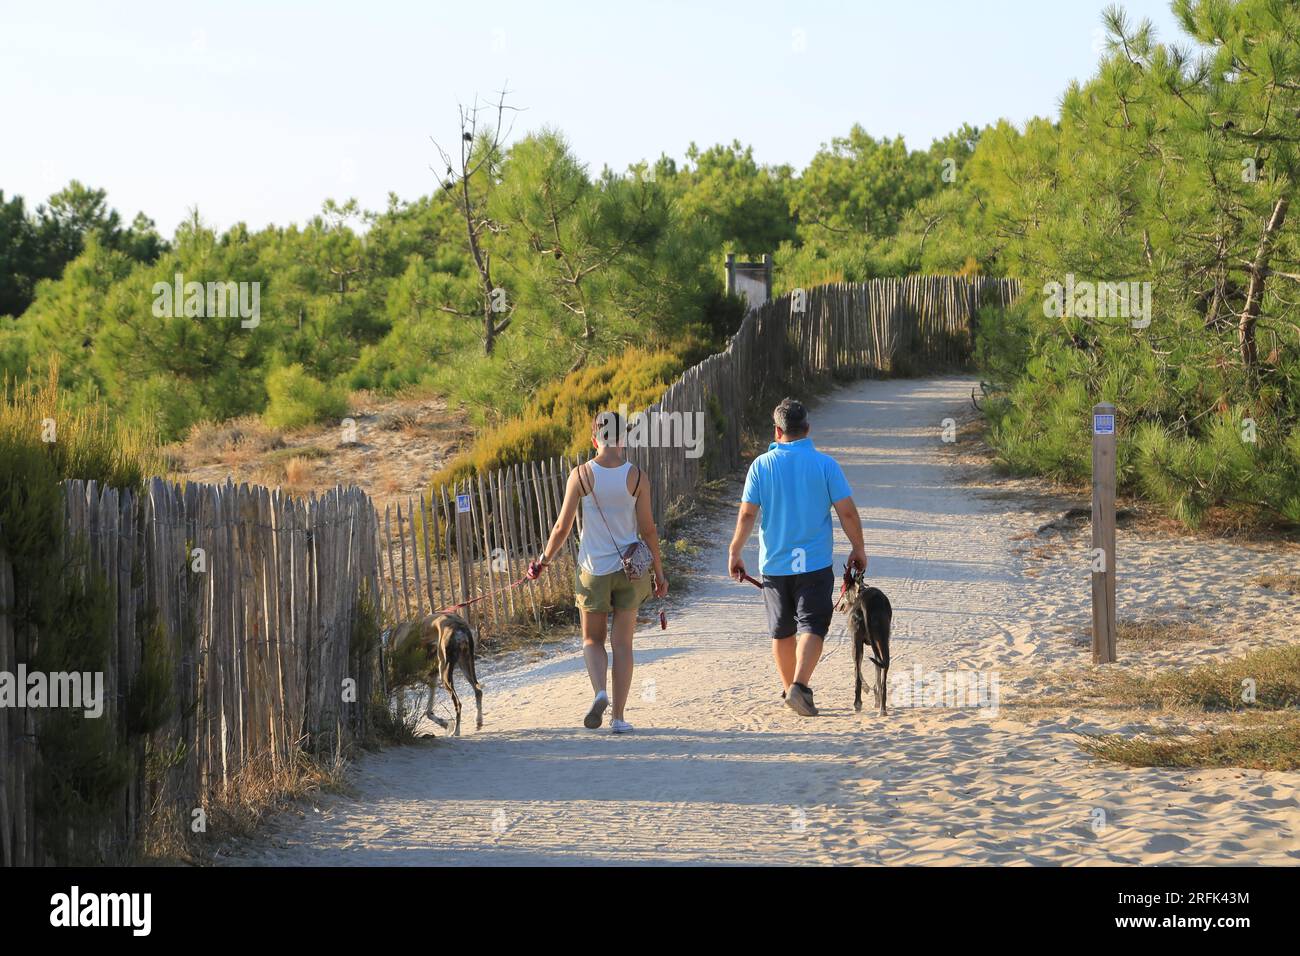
pixel 436 555
pixel 253 595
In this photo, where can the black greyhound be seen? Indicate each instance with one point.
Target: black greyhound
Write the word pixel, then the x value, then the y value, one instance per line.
pixel 870 615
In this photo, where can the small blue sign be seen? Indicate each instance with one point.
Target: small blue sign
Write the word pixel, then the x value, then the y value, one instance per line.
pixel 1103 424
pixel 462 503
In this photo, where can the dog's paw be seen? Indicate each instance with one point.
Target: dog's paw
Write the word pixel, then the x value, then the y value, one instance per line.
pixel 857 705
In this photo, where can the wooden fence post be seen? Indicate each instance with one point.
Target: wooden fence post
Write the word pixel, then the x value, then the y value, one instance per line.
pixel 464 540
pixel 1103 533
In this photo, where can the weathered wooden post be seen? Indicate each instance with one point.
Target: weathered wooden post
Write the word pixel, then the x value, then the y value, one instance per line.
pixel 1103 533
pixel 464 544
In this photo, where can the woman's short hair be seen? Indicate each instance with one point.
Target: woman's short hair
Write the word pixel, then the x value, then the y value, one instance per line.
pixel 609 430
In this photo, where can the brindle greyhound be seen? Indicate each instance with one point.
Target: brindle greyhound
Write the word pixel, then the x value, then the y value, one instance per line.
pixel 870 616
pixel 448 642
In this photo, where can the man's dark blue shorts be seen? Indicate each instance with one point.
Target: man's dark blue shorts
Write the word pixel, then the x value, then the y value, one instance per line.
pixel 799 603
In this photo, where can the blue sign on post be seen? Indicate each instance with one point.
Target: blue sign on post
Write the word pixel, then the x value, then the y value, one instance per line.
pixel 462 503
pixel 1103 424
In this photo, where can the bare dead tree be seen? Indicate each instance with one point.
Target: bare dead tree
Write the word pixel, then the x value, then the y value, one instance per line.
pixel 475 167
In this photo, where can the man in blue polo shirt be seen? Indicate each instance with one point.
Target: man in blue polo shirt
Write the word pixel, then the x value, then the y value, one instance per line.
pixel 791 489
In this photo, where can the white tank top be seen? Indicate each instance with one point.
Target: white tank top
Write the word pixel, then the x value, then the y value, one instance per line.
pixel 598 552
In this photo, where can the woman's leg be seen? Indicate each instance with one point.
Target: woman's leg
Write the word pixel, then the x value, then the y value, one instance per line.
pixel 624 628
pixel 593 647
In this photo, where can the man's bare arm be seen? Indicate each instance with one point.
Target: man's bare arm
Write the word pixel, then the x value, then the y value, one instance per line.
pixel 745 519
pixel 851 522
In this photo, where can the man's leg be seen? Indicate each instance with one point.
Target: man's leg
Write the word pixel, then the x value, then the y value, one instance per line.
pixel 813 615
pixel 779 604
pixel 806 656
pixel 784 654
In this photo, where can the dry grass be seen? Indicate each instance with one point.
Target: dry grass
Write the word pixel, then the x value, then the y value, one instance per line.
pixel 398 420
pixel 307 452
pixel 291 468
pixel 1270 676
pixel 1274 747
pixel 298 472
pixel 1260 691
pixel 1143 633
pixel 257 791
pixel 232 442
pixel 1287 583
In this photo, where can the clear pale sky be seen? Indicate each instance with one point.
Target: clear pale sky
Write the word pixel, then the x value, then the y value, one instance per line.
pixel 258 111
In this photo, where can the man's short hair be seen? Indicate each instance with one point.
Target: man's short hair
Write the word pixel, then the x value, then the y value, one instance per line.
pixel 608 429
pixel 791 417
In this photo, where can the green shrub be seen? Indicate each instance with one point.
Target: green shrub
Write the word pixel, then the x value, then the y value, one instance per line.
pixel 1195 434
pixel 296 399
pixel 558 421
pixel 59 598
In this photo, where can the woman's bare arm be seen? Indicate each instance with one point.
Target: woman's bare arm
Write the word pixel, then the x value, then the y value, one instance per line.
pixel 564 523
pixel 645 521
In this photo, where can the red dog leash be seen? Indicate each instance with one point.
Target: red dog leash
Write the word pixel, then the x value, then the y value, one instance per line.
pixel 483 597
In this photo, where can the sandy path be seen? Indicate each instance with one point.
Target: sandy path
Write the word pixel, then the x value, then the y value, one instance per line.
pixel 719 771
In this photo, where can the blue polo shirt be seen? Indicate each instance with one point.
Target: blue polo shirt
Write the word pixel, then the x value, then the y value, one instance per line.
pixel 794 486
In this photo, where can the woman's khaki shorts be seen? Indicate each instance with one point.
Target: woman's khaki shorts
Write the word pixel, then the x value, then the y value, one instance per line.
pixel 602 593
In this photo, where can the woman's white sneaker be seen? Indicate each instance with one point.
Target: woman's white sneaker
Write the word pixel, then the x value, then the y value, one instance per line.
pixel 617 726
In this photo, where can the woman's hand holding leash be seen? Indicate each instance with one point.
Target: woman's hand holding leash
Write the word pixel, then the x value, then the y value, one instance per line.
pixel 536 567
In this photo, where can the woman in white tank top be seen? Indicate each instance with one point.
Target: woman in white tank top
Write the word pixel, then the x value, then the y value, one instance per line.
pixel 614 495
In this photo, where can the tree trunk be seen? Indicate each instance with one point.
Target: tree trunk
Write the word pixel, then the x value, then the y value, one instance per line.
pixel 484 272
pixel 1255 290
pixel 489 326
